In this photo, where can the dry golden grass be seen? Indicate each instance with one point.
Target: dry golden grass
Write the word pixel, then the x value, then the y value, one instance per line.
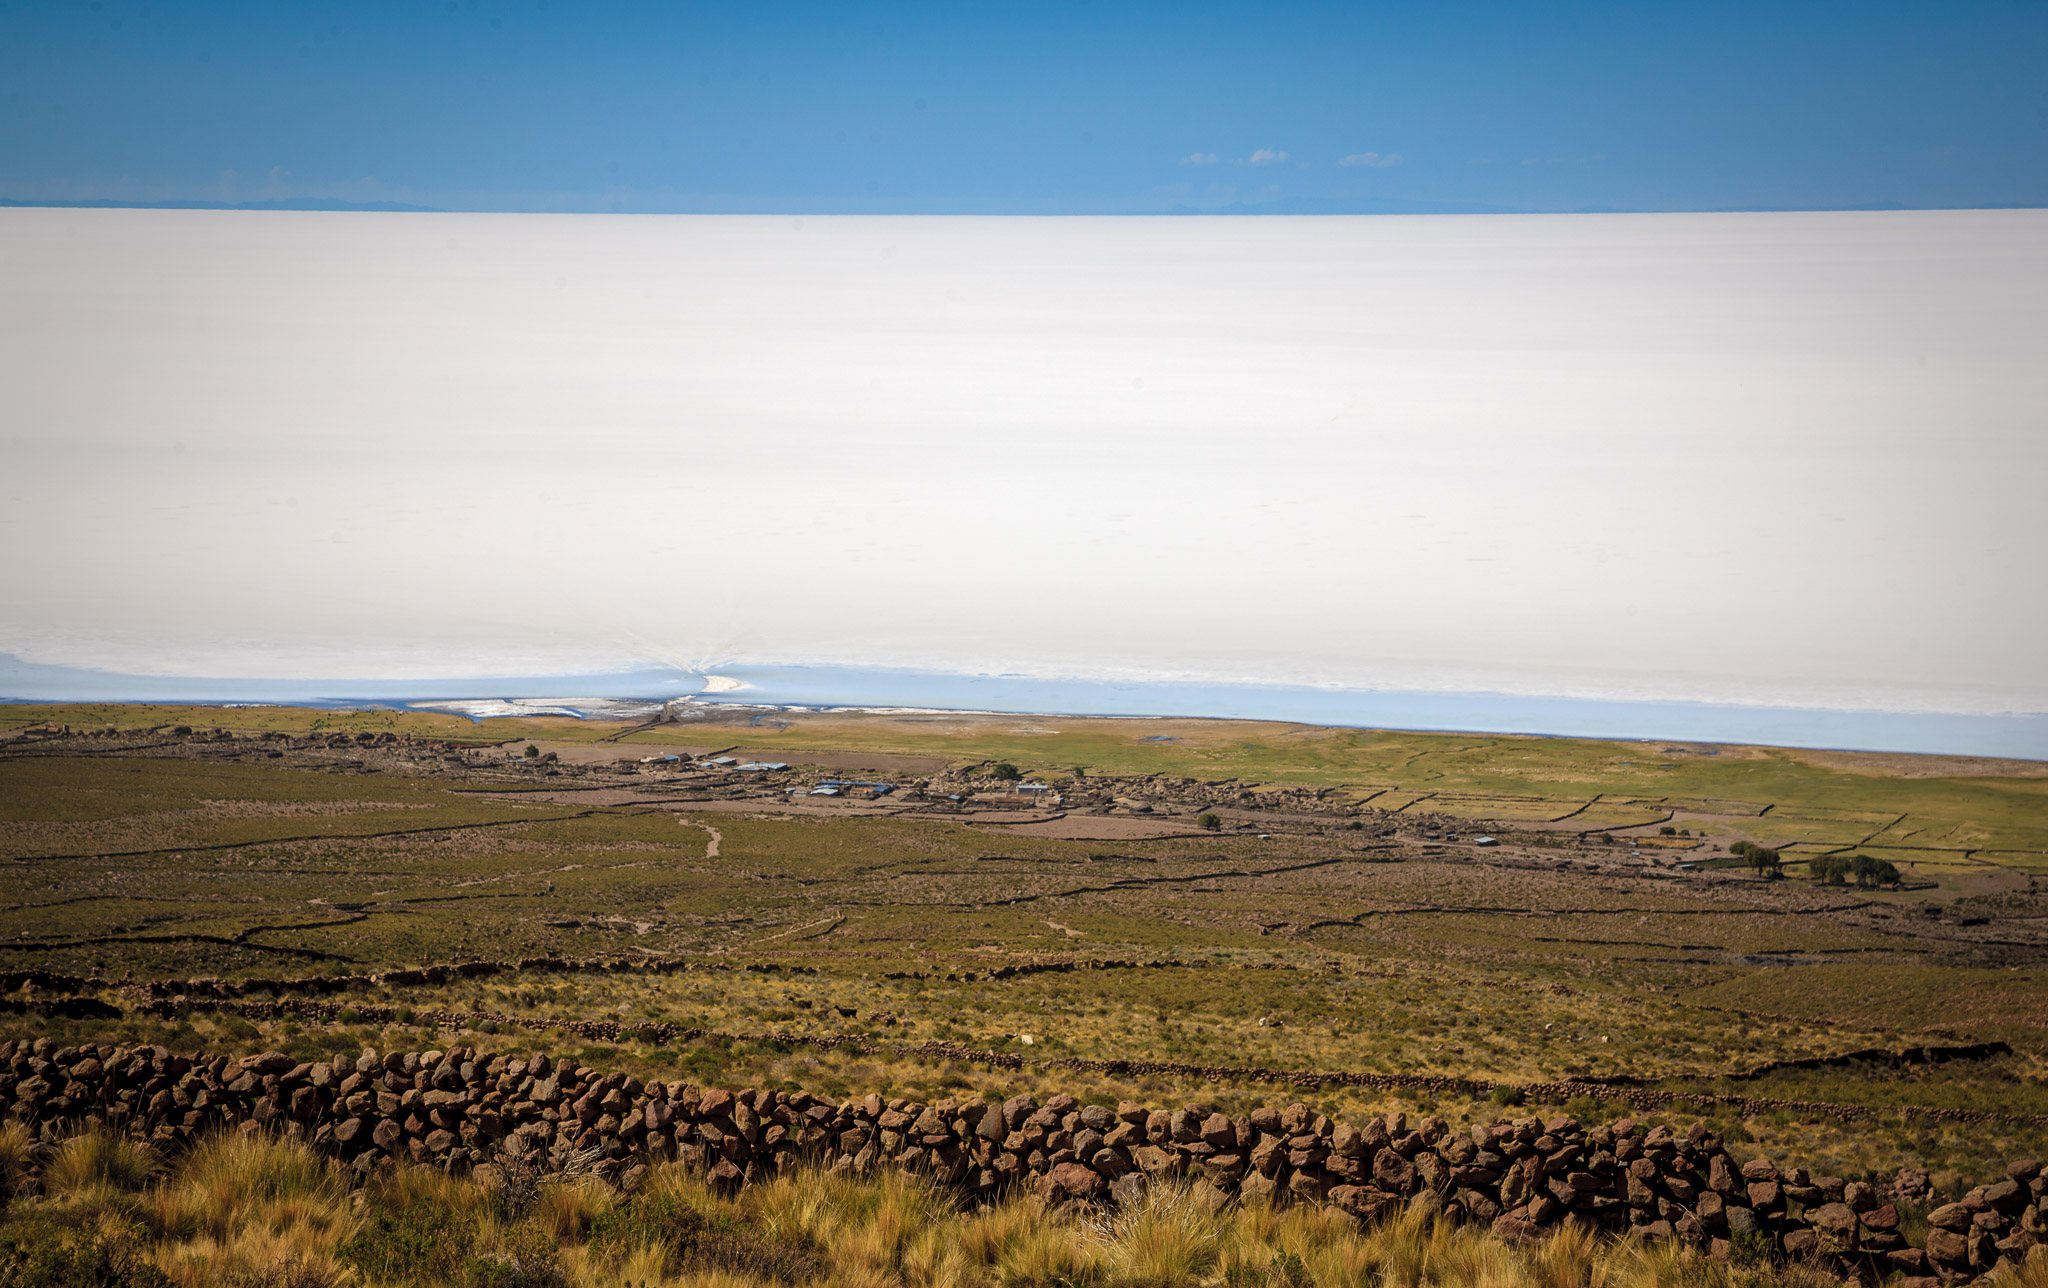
pixel 2031 1274
pixel 251 1209
pixel 95 1163
pixel 19 1152
pixel 257 1212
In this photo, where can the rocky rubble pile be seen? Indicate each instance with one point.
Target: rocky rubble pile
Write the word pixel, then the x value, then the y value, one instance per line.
pixel 464 1109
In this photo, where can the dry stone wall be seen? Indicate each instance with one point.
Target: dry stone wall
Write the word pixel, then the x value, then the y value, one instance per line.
pixel 1641 1098
pixel 465 1109
pixel 42 994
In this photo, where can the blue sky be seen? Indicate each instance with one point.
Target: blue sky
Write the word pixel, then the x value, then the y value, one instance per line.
pixel 1037 108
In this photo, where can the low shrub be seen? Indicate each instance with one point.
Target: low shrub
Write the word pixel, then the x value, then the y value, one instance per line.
pixel 413 1243
pixel 38 1252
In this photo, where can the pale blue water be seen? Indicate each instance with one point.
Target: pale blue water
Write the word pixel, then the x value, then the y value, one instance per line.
pixel 2020 735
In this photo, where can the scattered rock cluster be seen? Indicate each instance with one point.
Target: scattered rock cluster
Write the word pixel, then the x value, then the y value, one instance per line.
pixel 463 1109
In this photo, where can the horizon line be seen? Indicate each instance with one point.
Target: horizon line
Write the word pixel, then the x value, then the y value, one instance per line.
pixel 1290 209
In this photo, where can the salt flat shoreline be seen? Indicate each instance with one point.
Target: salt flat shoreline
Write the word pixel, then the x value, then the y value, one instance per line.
pixel 642 695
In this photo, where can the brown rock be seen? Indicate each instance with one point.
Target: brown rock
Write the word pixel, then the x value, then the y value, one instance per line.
pixel 1361 1202
pixel 1267 1156
pixel 270 1063
pixel 1907 1261
pixel 1112 1163
pixel 1347 1141
pixel 1947 1246
pixel 1392 1172
pixel 1075 1180
pixel 991 1127
pixel 1223 1169
pixel 1983 1248
pixel 1720 1176
pixel 1154 1161
pixel 1837 1223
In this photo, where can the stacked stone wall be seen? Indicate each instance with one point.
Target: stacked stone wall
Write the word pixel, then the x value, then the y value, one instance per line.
pixel 1640 1098
pixel 465 1109
pixel 42 994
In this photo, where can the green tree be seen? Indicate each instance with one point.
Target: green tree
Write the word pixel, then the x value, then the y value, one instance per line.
pixel 1763 862
pixel 1831 869
pixel 1212 822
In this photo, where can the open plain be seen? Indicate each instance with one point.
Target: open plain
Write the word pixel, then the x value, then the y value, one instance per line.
pixel 1192 909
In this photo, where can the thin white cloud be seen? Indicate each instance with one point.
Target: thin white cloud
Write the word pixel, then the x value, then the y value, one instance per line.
pixel 1266 156
pixel 1199 158
pixel 1377 160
